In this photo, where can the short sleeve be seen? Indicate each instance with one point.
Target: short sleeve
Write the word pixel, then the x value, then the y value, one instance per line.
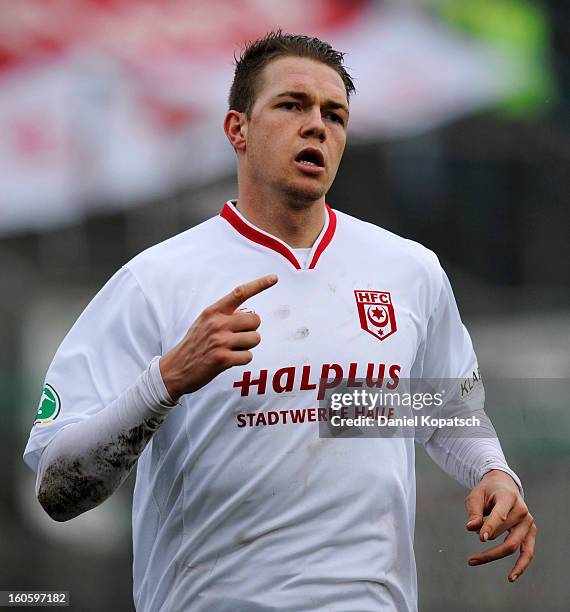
pixel 108 347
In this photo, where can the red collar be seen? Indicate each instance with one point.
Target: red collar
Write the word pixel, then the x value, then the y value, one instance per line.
pixel 249 231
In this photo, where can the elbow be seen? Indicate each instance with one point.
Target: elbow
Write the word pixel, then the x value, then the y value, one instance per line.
pixel 57 500
pixel 65 494
pixel 59 517
pixel 53 507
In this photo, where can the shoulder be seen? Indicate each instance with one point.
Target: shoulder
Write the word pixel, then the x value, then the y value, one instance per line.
pixel 388 247
pixel 175 255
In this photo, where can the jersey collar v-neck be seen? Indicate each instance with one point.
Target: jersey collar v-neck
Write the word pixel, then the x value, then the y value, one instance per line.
pixel 232 215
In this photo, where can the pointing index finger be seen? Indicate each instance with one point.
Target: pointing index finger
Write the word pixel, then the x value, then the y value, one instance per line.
pixel 235 298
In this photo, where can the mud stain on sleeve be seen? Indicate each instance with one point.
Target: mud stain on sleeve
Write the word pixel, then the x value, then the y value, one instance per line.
pixel 73 485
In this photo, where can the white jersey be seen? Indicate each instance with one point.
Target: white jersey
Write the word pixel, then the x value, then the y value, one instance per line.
pixel 238 503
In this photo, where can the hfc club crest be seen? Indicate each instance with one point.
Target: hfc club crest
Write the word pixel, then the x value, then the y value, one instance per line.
pixel 376 313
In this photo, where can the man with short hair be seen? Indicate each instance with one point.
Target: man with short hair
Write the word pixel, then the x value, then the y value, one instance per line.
pixel 206 359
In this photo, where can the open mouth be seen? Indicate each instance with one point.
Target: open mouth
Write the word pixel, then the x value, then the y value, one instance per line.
pixel 311 159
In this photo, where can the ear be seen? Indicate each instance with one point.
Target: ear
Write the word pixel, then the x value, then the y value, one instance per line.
pixel 235 127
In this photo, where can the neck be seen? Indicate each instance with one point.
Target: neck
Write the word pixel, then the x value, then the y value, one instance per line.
pixel 297 227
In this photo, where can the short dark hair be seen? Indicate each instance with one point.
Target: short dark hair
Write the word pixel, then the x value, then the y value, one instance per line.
pixel 257 54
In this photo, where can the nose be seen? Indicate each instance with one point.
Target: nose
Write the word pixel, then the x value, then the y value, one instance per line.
pixel 314 126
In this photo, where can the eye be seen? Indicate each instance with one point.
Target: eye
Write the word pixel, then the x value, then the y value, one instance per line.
pixel 336 118
pixel 289 105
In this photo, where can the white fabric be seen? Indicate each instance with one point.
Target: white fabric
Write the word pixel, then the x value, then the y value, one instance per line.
pixel 267 517
pixel 303 256
pixel 468 459
pixel 146 401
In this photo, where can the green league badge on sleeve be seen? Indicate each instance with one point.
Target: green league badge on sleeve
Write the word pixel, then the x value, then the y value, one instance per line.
pixel 49 405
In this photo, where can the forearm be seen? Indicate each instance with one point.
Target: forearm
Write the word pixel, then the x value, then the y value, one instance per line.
pixel 467 459
pixel 87 461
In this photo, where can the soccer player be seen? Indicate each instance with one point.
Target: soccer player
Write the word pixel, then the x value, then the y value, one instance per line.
pixel 205 360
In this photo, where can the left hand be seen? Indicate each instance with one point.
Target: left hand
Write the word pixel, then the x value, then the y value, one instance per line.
pixel 494 506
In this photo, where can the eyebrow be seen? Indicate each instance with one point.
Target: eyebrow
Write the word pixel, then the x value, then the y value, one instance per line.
pixel 301 95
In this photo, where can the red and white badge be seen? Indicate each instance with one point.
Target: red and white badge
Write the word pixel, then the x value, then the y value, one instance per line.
pixel 376 313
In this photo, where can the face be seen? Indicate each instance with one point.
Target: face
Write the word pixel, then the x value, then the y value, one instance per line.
pixel 296 134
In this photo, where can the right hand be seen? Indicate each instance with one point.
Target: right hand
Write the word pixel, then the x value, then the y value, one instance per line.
pixel 217 340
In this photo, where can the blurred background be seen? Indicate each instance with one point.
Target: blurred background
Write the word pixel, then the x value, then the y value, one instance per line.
pixel 111 140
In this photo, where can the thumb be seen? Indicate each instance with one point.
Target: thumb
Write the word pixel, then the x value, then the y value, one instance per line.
pixel 475 505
